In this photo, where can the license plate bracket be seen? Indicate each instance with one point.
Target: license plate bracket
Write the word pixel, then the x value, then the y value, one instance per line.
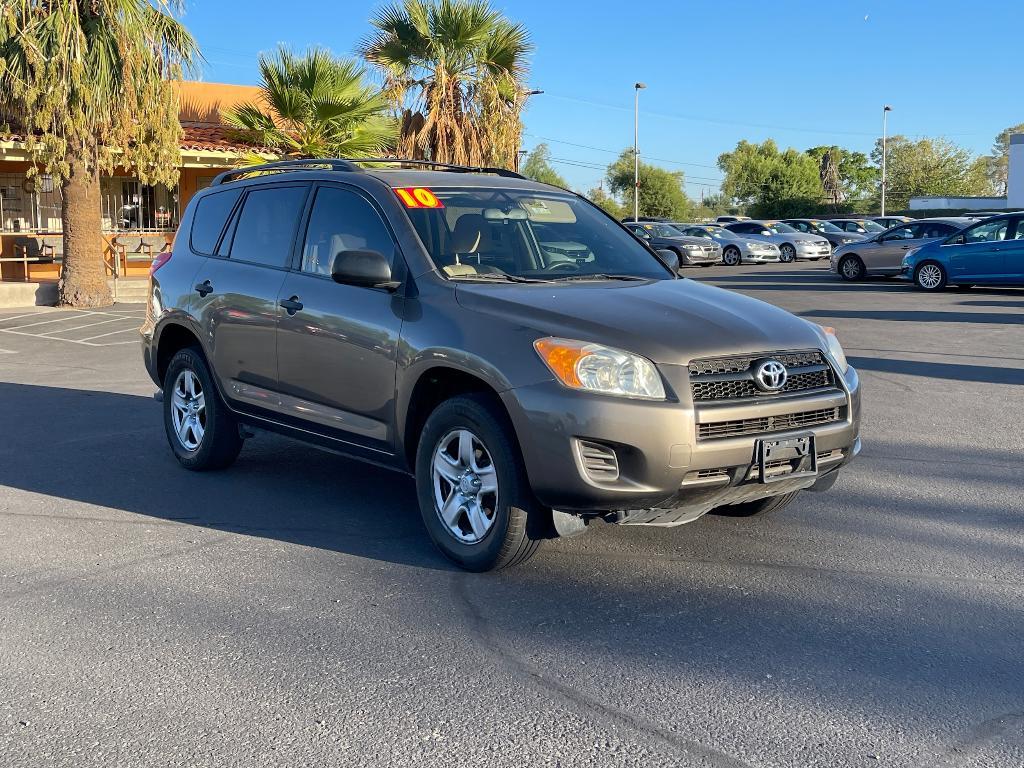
pixel 775 453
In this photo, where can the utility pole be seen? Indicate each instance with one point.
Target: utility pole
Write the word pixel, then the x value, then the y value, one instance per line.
pixel 885 114
pixel 637 87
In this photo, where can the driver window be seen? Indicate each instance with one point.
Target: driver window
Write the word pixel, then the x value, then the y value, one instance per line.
pixel 342 221
pixel 988 232
pixel 903 233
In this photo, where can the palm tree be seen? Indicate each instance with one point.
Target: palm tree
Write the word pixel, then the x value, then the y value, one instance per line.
pixel 319 106
pixel 457 68
pixel 89 83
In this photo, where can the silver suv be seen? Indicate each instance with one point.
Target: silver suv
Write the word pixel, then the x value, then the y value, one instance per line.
pixel 518 351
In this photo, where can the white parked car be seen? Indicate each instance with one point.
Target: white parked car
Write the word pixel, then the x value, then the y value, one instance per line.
pixel 792 243
pixel 736 249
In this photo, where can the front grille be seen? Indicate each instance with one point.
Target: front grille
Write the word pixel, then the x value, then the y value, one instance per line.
pixel 732 378
pixel 767 424
pixel 739 364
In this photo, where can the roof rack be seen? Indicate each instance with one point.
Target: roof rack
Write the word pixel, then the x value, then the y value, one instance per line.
pixel 282 166
pixel 440 166
pixel 350 165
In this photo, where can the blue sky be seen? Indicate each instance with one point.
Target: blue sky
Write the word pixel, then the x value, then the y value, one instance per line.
pixel 799 71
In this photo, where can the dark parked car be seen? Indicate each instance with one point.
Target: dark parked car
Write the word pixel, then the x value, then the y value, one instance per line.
pixel 422 321
pixel 691 251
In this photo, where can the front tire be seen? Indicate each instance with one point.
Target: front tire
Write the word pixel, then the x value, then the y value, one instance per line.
pixel 472 489
pixel 851 268
pixel 731 256
pixel 756 508
pixel 930 276
pixel 200 430
pixel 787 253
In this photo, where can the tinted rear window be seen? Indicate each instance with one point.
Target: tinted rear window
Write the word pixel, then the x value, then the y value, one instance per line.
pixel 267 224
pixel 211 213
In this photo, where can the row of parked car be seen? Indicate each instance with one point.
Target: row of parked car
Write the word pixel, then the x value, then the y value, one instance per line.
pixel 983 249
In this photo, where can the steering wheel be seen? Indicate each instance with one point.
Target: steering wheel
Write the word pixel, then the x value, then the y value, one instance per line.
pixel 564 265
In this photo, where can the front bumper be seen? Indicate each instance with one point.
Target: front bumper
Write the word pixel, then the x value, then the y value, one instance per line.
pixel 761 257
pixel 814 252
pixel 666 474
pixel 701 257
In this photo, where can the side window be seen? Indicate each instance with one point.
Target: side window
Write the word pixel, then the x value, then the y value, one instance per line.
pixel 936 229
pixel 266 226
pixel 1020 230
pixel 800 225
pixel 342 220
pixel 990 231
pixel 903 233
pixel 208 222
pixel 744 229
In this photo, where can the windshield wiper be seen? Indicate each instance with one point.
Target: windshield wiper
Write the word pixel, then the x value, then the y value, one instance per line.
pixel 600 276
pixel 484 277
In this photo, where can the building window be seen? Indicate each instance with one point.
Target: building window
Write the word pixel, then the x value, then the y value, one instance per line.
pixel 130 204
pixel 16 204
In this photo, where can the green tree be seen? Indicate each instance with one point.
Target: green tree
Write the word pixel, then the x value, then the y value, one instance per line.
pixel 600 197
pixel 319 106
pixel 771 183
pixel 537 166
pixel 999 162
pixel 457 68
pixel 858 178
pixel 89 83
pixel 661 191
pixel 930 167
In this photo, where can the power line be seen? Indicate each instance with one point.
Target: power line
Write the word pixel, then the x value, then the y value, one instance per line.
pixel 617 152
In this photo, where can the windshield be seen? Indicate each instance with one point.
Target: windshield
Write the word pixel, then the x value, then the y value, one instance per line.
pixel 827 226
pixel 872 226
pixel 663 230
pixel 507 234
pixel 779 228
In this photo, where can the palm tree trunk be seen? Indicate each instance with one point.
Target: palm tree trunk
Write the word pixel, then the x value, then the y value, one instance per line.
pixel 83 280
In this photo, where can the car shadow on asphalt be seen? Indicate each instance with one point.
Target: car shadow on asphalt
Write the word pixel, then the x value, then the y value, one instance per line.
pixel 982 374
pixel 109 450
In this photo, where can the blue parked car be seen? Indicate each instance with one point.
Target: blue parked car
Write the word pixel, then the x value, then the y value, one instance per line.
pixel 990 252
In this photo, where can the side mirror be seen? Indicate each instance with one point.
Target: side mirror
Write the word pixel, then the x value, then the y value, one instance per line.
pixel 367 269
pixel 669 257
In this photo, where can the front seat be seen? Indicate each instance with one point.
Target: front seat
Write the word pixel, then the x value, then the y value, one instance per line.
pixel 467 235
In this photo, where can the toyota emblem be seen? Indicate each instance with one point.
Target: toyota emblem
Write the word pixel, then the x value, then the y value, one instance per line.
pixel 771 376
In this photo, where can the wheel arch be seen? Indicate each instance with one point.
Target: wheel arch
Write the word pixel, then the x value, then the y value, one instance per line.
pixel 432 386
pixel 171 338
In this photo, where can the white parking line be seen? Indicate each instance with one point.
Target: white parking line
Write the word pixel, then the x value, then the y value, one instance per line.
pixel 112 333
pixel 28 314
pixel 47 322
pixel 50 334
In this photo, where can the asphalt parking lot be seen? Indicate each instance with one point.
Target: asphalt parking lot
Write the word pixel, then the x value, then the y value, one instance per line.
pixel 292 612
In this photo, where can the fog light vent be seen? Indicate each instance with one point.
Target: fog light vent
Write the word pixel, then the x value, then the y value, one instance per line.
pixel 599 461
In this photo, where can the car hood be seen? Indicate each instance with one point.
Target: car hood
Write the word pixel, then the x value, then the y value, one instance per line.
pixel 688 240
pixel 853 237
pixel 788 237
pixel 667 321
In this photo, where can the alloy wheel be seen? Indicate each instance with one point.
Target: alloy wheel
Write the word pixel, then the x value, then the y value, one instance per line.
pixel 788 253
pixel 465 485
pixel 929 276
pixel 731 257
pixel 851 269
pixel 188 410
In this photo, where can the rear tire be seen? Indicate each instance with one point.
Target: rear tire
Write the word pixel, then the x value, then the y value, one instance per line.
pixel 476 528
pixel 202 433
pixel 756 508
pixel 851 268
pixel 930 276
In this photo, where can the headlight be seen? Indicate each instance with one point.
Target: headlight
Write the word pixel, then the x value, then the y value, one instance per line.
pixel 596 368
pixel 757 246
pixel 692 247
pixel 835 349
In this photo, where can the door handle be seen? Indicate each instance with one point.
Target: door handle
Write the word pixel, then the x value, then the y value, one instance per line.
pixel 292 305
pixel 904 247
pixel 204 288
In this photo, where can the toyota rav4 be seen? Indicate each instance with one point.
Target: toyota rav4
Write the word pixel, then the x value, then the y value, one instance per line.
pixel 531 363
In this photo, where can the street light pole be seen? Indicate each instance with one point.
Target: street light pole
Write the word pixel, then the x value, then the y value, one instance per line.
pixel 521 153
pixel 885 114
pixel 636 150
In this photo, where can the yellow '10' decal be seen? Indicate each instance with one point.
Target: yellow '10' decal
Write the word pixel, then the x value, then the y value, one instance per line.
pixel 418 197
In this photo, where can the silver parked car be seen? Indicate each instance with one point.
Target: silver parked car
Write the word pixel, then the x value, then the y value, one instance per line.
pixel 736 249
pixel 792 243
pixel 835 236
pixel 883 253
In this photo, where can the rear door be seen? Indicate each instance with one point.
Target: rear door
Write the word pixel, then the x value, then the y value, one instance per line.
pixel 338 344
pixel 1015 253
pixel 236 292
pixel 979 252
